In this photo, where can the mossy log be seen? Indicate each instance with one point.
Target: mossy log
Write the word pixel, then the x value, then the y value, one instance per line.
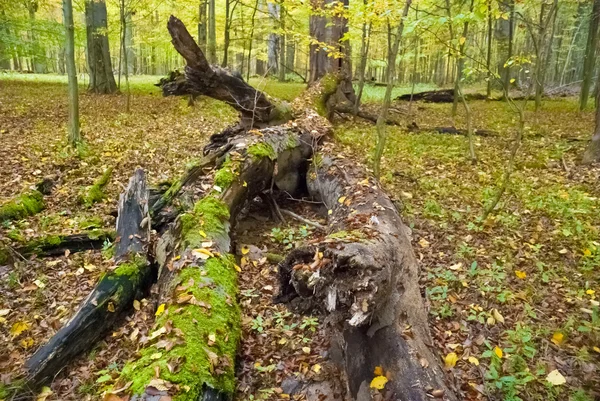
pixel 191 353
pixel 95 193
pixel 24 205
pixel 365 274
pixel 113 295
pixel 58 244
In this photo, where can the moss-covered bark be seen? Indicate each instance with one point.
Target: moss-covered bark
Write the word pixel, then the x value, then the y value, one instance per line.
pixel 95 193
pixel 26 204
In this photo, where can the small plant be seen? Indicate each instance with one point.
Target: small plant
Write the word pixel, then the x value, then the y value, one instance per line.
pixel 258 324
pixel 310 323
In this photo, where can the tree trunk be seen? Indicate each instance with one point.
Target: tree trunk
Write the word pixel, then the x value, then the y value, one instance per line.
pixel 202 25
pixel 212 33
pixel 365 274
pixel 364 54
pixel 282 47
pixel 226 34
pixel 113 296
pixel 273 42
pixel 590 55
pixel 73 125
pixel 391 73
pixel 592 152
pixel 102 79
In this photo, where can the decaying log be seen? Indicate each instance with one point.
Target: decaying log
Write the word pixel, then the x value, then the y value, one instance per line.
pixel 438 96
pixel 413 127
pixel 198 328
pixel 202 78
pixel 365 274
pixel 58 244
pixel 113 295
pixel 24 205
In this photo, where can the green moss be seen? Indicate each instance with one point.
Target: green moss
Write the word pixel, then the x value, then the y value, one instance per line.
pixel 209 217
pixel 261 150
pixel 347 235
pixel 213 284
pixel 227 173
pixel 329 84
pixel 131 268
pixel 95 193
pixel 4 255
pixel 24 205
pixel 15 235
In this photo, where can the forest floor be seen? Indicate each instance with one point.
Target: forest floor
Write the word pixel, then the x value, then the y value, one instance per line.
pixel 513 297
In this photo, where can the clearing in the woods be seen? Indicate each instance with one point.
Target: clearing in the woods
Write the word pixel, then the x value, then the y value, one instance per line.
pixel 511 298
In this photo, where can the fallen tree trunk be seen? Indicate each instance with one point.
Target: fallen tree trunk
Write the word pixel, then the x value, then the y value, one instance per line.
pixel 365 274
pixel 198 329
pixel 58 244
pixel 438 96
pixel 413 127
pixel 113 295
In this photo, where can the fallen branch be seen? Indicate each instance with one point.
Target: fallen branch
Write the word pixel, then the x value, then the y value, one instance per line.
pixel 113 295
pixel 303 220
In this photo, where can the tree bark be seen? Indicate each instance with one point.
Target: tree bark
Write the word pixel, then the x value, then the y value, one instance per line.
pixel 592 152
pixel 113 295
pixel 212 33
pixel 273 42
pixel 366 276
pixel 102 79
pixel 202 25
pixel 73 125
pixel 590 55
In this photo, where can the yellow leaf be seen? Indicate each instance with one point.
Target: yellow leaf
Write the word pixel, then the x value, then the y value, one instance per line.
pixel 512 81
pixel 18 328
pixel 237 268
pixel 451 359
pixel 462 40
pixel 156 355
pixel 378 371
pixel 590 292
pixel 587 252
pixel 306 350
pixel 136 304
pixel 342 199
pixel 520 274
pixel 497 316
pixel 597 349
pixel 556 378
pixel 424 243
pixel 558 337
pixel 474 360
pixel 316 368
pixel 202 253
pixel 111 307
pixel 379 382
pixel 202 233
pixel 330 212
pixel 27 342
pixel 45 393
pixel 160 310
pixel 498 352
pixel 245 249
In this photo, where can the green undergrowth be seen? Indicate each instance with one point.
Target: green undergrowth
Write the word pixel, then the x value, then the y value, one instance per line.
pixel 26 204
pixel 533 262
pixel 95 193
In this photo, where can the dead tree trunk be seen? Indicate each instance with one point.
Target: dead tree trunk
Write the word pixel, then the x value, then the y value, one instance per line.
pixel 112 297
pixel 365 274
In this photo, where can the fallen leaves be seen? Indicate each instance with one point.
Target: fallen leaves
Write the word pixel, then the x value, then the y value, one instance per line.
pixel 160 310
pixel 450 360
pixel 556 378
pixel 379 382
pixel 18 328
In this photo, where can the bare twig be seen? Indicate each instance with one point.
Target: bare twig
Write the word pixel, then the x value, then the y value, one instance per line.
pixel 303 220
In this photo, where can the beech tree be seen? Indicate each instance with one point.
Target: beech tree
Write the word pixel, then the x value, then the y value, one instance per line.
pixel 102 79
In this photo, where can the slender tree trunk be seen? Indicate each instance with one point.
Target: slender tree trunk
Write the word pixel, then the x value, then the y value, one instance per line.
pixel 364 54
pixel 273 43
pixel 74 135
pixel 124 51
pixel 102 79
pixel 488 62
pixel 252 26
pixel 227 34
pixel 4 48
pixel 212 33
pixel 202 26
pixel 391 72
pixel 282 63
pixel 590 55
pixel 592 152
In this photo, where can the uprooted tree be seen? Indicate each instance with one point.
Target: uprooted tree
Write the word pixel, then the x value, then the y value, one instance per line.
pixel 363 273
